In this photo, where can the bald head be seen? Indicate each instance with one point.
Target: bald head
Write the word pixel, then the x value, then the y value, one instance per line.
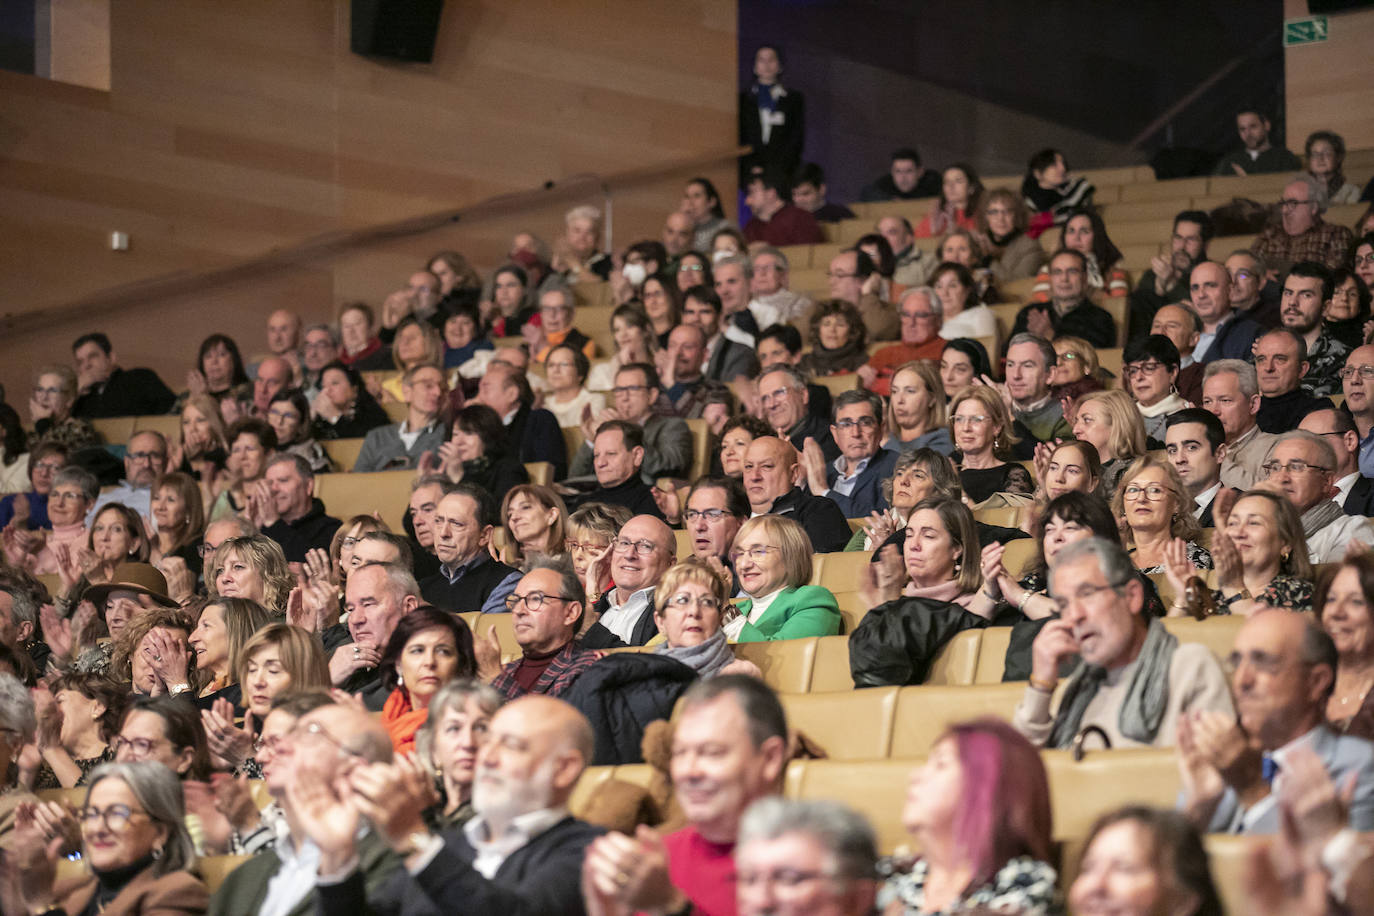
pixel 536 749
pixel 283 331
pixel 632 570
pixel 1209 287
pixel 677 233
pixel 770 472
pixel 329 741
pixel 1179 324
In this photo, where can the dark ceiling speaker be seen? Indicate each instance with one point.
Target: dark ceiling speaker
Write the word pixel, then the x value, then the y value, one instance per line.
pixel 396 29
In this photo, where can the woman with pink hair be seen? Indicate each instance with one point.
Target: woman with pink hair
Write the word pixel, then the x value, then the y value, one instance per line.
pixel 979 811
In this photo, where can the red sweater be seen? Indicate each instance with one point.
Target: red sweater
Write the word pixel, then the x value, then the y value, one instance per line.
pixel 789 226
pixel 702 870
pixel 887 360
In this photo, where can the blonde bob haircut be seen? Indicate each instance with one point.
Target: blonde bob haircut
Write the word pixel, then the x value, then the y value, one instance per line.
pixel 1127 439
pixel 1083 350
pixel 929 374
pixel 264 556
pixel 1182 524
pixel 695 570
pixel 300 653
pixel 991 402
pixel 790 538
pixel 957 520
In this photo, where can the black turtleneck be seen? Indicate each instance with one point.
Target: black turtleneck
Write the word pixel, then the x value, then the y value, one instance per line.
pixel 1284 412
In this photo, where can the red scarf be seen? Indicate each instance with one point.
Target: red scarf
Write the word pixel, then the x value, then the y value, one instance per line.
pixel 401 721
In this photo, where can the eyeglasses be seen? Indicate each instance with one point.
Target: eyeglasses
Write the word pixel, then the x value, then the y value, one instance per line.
pixel 998 211
pixel 1143 368
pixel 774 396
pixel 319 345
pixel 1242 274
pixel 1367 259
pixel 1067 357
pixel 1066 272
pixel 849 423
pixel 532 600
pixel 643 548
pixel 1154 492
pixel 1263 662
pixel 349 541
pixel 1289 203
pixel 47 467
pixel 273 743
pixel 1270 468
pixel 758 553
pixel 1085 593
pixel 966 420
pixel 283 414
pixel 711 515
pixel 693 268
pixel 628 389
pixel 318 730
pixel 140 747
pixel 115 817
pixel 705 602
pixel 1366 372
pixel 207 549
pixel 783 880
pixel 584 546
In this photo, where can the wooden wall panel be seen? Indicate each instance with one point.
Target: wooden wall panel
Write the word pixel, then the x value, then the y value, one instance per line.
pixel 1330 85
pixel 231 130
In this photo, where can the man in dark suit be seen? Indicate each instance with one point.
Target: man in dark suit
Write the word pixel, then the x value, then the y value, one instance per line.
pixel 520 855
pixel 770 481
pixel 1195 442
pixel 1354 493
pixel 1069 312
pixel 533 432
pixel 469 579
pixel 854 480
pixel 1285 668
pixel 1226 334
pixel 105 390
pixel 726 360
pixel 617 458
pixel 784 395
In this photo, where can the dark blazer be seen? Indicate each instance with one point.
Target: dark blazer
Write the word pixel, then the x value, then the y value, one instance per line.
pixel 867 495
pixel 598 637
pixel 825 524
pixel 1360 501
pixel 127 393
pixel 782 153
pixel 245 888
pixel 731 360
pixel 634 494
pixel 175 892
pixel 1090 322
pixel 537 437
pixel 1233 341
pixel 541 878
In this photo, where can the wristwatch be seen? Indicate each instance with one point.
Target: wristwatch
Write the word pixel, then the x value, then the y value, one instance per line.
pixel 1242 595
pixel 177 690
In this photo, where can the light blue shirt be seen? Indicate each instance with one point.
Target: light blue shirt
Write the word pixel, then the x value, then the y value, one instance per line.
pixel 140 499
pixel 845 485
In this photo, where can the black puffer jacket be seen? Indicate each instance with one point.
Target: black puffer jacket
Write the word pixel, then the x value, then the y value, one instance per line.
pixel 621 694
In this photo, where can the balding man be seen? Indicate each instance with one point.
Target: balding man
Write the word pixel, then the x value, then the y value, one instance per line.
pixel 1183 326
pixel 785 397
pixel 376 598
pixel 533 431
pixel 1301 467
pixel 424 388
pixel 1252 292
pixel 640 554
pixel 1284 667
pixel 145 460
pixel 1225 334
pixel 920 318
pixel 1281 362
pixel 274 376
pixel 913 266
pixel 1354 493
pixel 469 578
pixel 1357 381
pixel 1301 234
pixel 805 837
pixel 283 339
pixel 679 369
pixel 547 607
pixel 771 478
pixel 521 854
pixel 677 238
pixel 772 302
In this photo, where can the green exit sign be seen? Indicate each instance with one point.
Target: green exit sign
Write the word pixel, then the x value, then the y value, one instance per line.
pixel 1306 31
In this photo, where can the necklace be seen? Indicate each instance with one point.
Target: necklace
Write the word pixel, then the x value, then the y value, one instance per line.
pixel 1357 696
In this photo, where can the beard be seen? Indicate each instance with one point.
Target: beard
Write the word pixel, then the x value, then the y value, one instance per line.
pixel 499 798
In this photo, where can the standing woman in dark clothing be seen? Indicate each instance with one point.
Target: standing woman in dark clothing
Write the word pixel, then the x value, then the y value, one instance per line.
pixel 771 119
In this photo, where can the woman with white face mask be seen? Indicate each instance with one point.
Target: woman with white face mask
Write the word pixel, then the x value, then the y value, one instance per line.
pixel 639 262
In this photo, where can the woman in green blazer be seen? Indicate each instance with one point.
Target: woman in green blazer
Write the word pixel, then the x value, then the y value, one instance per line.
pixel 772 557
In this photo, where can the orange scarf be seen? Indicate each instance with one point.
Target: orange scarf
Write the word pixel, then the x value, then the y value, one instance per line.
pixel 401 721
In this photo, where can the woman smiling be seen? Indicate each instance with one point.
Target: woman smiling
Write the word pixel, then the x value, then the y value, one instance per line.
pixel 772 555
pixel 428 649
pixel 1151 370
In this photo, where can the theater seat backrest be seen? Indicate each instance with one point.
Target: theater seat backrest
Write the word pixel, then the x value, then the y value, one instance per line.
pixel 786 663
pixel 830 673
pixel 1216 633
pixel 848 726
pixel 923 713
pixel 957 663
pixel 992 654
pixel 1104 780
pixel 874 788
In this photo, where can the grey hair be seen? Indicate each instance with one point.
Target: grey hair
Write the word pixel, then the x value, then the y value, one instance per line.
pixel 245 527
pixel 771 252
pixel 856 396
pixel 1046 348
pixel 926 291
pixel 1296 338
pixel 16 708
pixel 1316 190
pixel 23 607
pixel 398 578
pixel 583 211
pixel 847 837
pixel 1192 313
pixel 320 326
pixel 741 260
pixel 1243 371
pixel 1261 266
pixel 797 377
pixel 453 695
pixel 564 290
pixel 158 791
pixel 446 485
pixel 570 586
pixel 80 477
pixel 302 466
pixel 1111 558
pixel 1319 442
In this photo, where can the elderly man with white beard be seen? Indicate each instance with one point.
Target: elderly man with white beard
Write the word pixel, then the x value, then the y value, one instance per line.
pixel 521 853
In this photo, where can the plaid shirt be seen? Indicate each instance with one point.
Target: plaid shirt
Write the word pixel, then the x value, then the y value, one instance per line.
pixel 1324 243
pixel 565 668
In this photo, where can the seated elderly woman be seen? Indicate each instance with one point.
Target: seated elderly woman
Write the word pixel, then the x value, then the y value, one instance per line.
pixel 735 437
pixel 964 315
pixel 344 409
pixel 1348 309
pixel 1260 558
pixel 982 433
pixel 251 443
pixel 50 410
pixel 1011 254
pixel 74 491
pixel 1154 509
pixel 30 508
pixel 1150 366
pixel 18 723
pixel 1345 607
pixel 916 410
pixel 428 649
pixel 1162 852
pixel 962 363
pixel 75 724
pixel 462 334
pixel 839 339
pixel 134 839
pixel 251 567
pixel 1075 369
pixel 772 557
pixel 689 604
pixel 448 741
pixel 479 452
pixel 568 398
pixel 978 808
pixel 591 529
pixel 1111 423
pixel 536 522
pixel 289 416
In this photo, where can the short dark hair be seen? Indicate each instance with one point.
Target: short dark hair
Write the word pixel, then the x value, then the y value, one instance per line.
pixel 181 723
pixel 632 432
pixel 736 500
pixel 863 264
pixel 95 337
pixel 1203 219
pixel 758 701
pixel 480 420
pixel 907 152
pixel 785 334
pixel 650 373
pixel 406 557
pixel 772 181
pixel 1256 110
pixel 1043 160
pixel 649 250
pixel 717 210
pixel 486 505
pixel 1153 345
pixel 855 396
pixel 809 173
pixel 1313 270
pixel 1216 433
pixel 706 296
pixel 302 466
pixel 257 428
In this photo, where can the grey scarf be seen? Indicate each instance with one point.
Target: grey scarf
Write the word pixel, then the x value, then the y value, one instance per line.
pixel 1319 516
pixel 1147 693
pixel 706 659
